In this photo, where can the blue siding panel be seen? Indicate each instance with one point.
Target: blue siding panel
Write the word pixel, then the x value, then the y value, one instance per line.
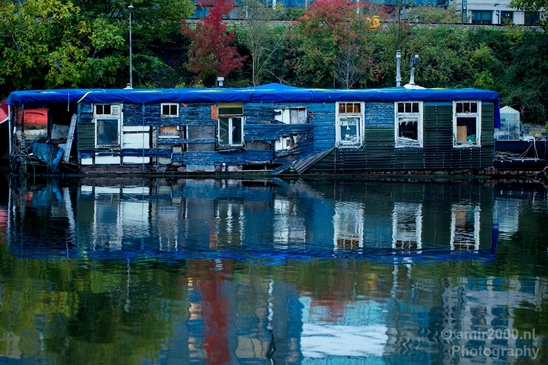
pixel 271 132
pixel 322 115
pixel 212 158
pixel 379 115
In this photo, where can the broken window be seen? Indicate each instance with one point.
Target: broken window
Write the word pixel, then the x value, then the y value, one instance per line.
pixel 286 142
pixel 408 128
pixel 349 124
pixel 466 124
pixel 230 125
pixel 291 115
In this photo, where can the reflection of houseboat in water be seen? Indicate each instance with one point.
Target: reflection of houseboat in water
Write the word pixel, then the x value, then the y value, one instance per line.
pixel 264 217
pixel 263 220
pixel 272 128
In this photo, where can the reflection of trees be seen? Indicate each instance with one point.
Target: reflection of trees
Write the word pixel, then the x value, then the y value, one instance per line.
pixel 74 314
pixel 341 281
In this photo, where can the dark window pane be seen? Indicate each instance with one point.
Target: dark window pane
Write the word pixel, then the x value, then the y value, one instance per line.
pixel 107 132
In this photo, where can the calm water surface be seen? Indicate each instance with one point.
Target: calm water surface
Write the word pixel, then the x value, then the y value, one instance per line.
pixel 272 272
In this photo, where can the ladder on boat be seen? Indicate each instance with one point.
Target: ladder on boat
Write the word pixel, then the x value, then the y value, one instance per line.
pixel 70 138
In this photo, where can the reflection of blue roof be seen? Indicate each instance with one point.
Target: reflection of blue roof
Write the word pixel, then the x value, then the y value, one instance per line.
pixel 265 93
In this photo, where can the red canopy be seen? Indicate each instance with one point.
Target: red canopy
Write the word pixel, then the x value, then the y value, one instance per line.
pixel 3 112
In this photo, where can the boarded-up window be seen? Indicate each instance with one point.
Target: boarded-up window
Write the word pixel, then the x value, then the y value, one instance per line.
pixel 170 131
pixel 292 115
pixel 467 124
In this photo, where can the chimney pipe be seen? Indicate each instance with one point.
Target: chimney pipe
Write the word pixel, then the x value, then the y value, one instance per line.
pixel 413 63
pixel 398 68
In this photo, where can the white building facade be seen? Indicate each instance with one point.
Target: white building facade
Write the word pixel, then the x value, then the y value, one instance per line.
pixel 492 12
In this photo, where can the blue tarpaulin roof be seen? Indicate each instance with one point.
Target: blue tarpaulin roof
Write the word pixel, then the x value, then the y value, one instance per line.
pixel 271 93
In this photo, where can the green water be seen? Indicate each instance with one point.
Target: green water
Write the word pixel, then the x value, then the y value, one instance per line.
pixel 273 272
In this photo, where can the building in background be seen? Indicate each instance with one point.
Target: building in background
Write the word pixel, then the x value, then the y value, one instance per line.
pixel 472 11
pixel 492 12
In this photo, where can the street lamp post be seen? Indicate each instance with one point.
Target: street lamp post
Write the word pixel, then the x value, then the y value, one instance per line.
pixel 130 51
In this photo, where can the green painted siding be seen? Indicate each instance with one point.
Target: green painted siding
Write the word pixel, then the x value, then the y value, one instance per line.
pixel 86 136
pixel 379 153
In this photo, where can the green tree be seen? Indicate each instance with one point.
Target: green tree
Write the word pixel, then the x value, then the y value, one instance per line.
pixel 532 6
pixel 429 14
pixel 153 20
pixel 261 37
pixel 54 43
pixel 523 83
pixel 156 26
pixel 46 43
pixel 334 43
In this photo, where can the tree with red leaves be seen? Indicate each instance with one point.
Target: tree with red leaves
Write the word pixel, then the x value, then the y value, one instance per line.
pixel 210 54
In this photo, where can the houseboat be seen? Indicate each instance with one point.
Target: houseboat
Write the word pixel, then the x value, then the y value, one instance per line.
pixel 271 129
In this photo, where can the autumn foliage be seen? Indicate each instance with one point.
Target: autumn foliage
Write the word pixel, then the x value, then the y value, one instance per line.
pixel 211 54
pixel 334 40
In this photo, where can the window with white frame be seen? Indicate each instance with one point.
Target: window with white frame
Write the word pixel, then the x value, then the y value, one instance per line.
pixel 107 121
pixel 169 110
pixel 230 131
pixel 349 130
pixel 466 124
pixel 408 128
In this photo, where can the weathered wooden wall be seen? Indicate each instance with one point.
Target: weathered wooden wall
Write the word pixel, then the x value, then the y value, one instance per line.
pixel 380 154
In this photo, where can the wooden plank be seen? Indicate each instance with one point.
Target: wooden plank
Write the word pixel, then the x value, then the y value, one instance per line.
pixel 70 137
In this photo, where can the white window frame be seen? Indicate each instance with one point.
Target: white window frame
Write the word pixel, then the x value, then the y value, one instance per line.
pixel 468 114
pixel 230 119
pixel 114 115
pixel 409 114
pixel 349 119
pixel 169 105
